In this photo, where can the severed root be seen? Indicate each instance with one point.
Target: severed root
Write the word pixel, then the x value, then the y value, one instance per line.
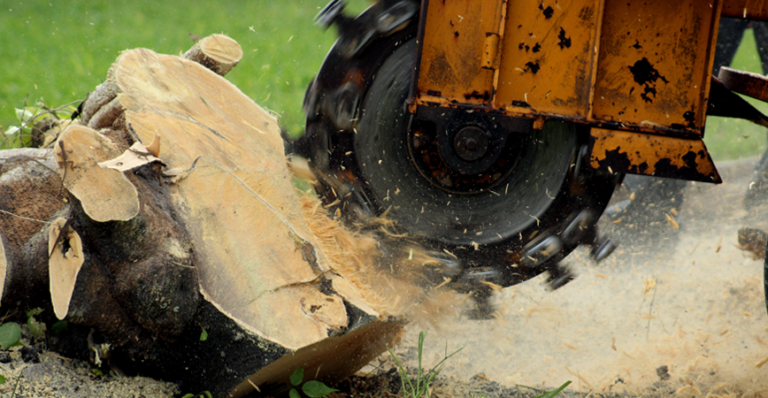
pixel 103 95
pixel 217 52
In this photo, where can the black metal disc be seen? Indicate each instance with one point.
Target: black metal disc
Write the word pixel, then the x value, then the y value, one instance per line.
pixel 426 210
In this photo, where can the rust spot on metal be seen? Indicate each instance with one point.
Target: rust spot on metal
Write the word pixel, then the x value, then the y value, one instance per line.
pixel 615 160
pixel 690 117
pixel 522 104
pixel 532 66
pixel 565 42
pixel 548 12
pixel 648 90
pixel 646 75
pixel 586 13
pixel 485 96
pixel 665 168
pixel 651 154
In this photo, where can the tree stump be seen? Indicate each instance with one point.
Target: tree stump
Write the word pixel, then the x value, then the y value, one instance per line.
pixel 168 213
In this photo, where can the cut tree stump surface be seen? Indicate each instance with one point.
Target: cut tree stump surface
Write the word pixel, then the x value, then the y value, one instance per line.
pixel 178 200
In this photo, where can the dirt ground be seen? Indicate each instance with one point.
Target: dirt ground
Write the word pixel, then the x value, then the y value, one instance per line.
pixel 672 312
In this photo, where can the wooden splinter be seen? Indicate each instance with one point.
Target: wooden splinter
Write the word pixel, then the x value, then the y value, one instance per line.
pixel 66 259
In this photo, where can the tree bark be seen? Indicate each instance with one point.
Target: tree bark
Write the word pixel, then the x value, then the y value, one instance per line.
pixel 144 250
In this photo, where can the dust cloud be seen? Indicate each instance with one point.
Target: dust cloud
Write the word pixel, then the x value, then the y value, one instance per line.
pixel 680 308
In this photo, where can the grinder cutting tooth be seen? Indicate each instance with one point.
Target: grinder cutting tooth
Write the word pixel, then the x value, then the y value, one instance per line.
pixel 559 276
pixel 581 227
pixel 542 250
pixel 602 248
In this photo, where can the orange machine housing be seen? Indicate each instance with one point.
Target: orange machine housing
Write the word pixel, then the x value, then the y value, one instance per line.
pixel 636 72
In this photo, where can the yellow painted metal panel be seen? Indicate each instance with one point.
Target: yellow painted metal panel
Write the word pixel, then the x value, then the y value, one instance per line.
pixel 654 63
pixel 452 55
pixel 746 9
pixel 653 155
pixel 548 54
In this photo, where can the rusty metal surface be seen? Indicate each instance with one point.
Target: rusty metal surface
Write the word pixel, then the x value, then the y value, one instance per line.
pixel 640 67
pixel 653 155
pixel 750 84
pixel 643 66
pixel 453 51
pixel 724 102
pixel 654 62
pixel 746 9
pixel 548 57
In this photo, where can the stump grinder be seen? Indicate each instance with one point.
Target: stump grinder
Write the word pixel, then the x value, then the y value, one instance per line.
pixel 494 132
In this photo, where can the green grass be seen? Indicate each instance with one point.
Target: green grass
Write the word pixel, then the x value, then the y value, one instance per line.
pixel 735 138
pixel 59 50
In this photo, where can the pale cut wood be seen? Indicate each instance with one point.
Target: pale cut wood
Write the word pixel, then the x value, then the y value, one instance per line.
pixel 329 360
pixel 211 236
pixel 66 259
pixel 216 52
pixel 105 194
pixel 251 270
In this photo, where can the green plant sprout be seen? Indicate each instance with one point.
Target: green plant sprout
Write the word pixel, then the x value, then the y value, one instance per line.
pixel 312 388
pixel 420 386
pixel 36 327
pixel 204 394
pixel 10 333
pixel 20 135
pixel 553 393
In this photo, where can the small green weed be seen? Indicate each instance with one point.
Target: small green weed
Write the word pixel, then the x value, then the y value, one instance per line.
pixel 312 388
pixel 21 135
pixel 36 327
pixel 10 333
pixel 59 327
pixel 553 393
pixel 420 386
pixel 204 394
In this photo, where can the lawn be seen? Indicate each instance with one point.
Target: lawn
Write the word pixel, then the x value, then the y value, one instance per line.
pixel 58 51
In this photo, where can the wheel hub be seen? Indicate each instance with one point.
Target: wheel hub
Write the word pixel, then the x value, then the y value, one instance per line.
pixel 471 143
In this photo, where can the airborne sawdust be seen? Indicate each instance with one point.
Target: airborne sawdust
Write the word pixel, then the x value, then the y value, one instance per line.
pixel 673 312
pixel 394 285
